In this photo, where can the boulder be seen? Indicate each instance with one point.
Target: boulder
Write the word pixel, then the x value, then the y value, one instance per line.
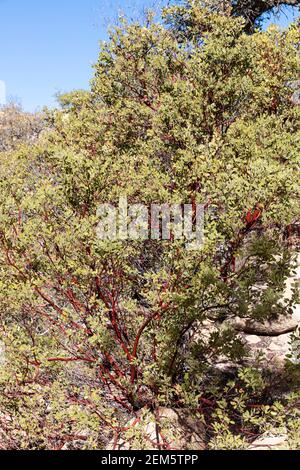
pixel 274 348
pixel 280 326
pixel 176 429
pixel 283 323
pixel 269 441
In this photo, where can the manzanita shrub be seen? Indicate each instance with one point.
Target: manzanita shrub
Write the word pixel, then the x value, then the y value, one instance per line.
pixel 17 126
pixel 190 110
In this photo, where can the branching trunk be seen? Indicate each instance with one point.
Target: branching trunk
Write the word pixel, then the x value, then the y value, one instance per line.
pixel 252 10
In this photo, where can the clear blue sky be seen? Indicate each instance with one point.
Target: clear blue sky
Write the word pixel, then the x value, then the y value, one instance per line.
pixel 49 46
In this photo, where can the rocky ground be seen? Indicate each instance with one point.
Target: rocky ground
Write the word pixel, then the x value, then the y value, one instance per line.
pixel 274 338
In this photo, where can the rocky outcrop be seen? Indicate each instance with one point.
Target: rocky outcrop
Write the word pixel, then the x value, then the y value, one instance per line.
pixel 176 429
pixel 276 327
pixel 269 441
pixel 273 338
pixel 274 348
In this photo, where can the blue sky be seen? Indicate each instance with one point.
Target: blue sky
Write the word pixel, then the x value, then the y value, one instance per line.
pixel 49 46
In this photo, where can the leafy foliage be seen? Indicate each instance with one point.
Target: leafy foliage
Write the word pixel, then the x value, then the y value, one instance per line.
pixel 195 111
pixel 17 126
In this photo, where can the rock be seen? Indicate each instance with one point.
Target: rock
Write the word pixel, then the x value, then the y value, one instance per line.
pixel 172 429
pixel 274 348
pixel 296 92
pixel 273 351
pixel 283 323
pixel 253 340
pixel 268 441
pixel 280 326
pixel 78 443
